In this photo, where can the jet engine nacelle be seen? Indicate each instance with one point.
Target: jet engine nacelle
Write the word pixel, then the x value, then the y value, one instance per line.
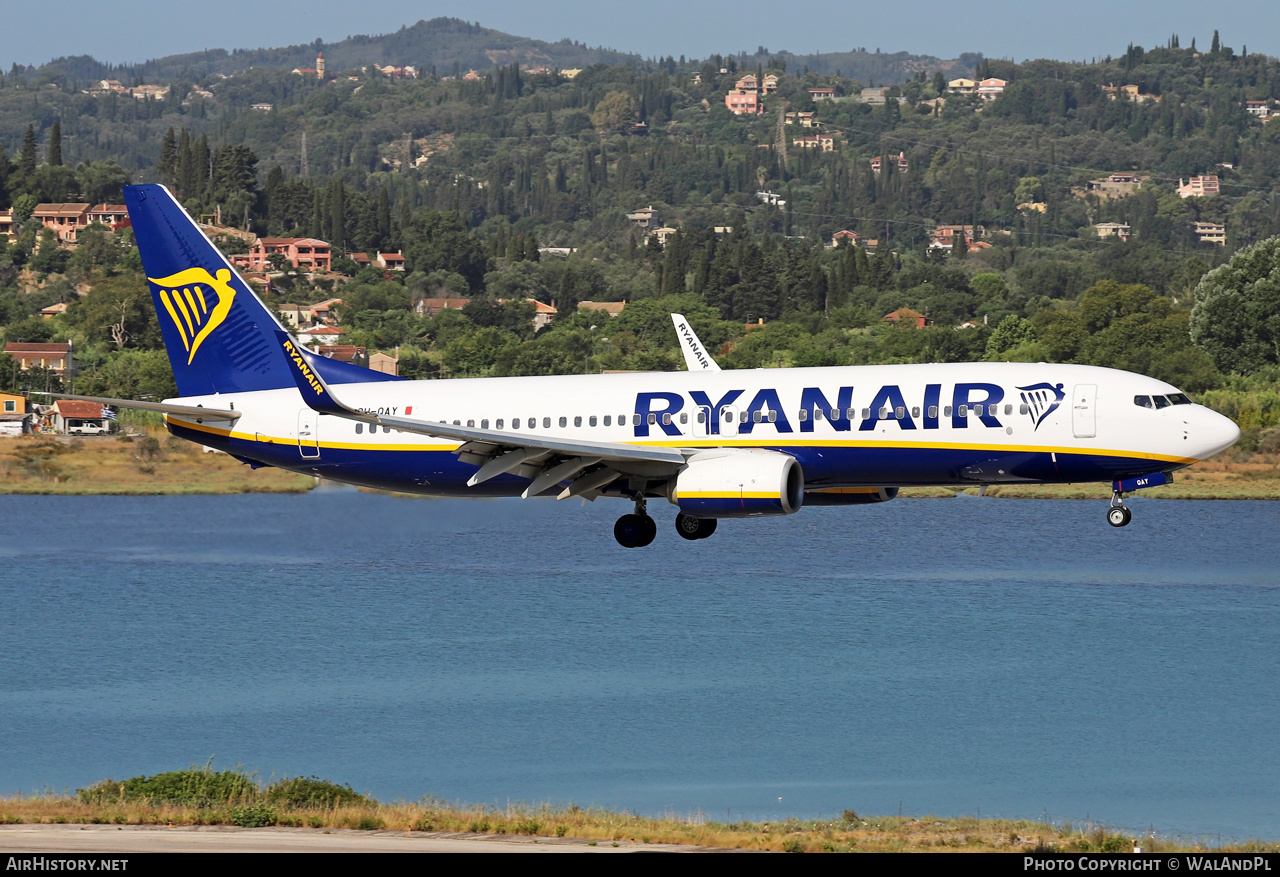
pixel 850 495
pixel 738 484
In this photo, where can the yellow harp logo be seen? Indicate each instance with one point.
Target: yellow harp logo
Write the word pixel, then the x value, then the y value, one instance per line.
pixel 188 296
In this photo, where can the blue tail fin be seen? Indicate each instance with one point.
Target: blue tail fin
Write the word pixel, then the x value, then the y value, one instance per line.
pixel 220 337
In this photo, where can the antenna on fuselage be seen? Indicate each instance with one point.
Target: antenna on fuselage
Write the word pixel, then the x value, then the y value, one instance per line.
pixel 696 357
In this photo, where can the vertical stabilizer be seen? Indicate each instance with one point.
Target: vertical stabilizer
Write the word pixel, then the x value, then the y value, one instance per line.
pixel 219 336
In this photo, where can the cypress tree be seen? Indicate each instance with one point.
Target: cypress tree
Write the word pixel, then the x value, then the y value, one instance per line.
pixel 55 145
pixel 169 157
pixel 338 223
pixel 27 157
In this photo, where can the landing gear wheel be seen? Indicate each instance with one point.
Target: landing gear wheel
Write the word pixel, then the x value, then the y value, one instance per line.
pixel 1119 516
pixel 695 528
pixel 634 531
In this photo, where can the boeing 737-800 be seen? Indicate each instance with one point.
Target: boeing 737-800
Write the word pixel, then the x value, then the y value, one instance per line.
pixel 714 443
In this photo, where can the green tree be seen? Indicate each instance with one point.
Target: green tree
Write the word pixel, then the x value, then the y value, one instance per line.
pixel 616 110
pixel 55 145
pixel 1236 318
pixel 438 240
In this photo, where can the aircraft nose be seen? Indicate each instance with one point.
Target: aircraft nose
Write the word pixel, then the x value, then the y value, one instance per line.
pixel 1212 433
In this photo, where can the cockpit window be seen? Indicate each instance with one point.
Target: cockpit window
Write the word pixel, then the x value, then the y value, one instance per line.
pixel 1161 401
pixel 1179 399
pixel 1143 401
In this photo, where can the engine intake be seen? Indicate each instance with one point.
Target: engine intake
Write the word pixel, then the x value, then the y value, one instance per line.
pixel 739 484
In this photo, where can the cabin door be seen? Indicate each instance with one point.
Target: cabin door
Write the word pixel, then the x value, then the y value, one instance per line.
pixel 309 434
pixel 1084 410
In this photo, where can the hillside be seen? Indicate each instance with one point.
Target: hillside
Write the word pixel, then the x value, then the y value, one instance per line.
pixel 441 43
pixel 1051 218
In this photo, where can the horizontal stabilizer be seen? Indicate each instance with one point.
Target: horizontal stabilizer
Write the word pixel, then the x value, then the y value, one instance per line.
pixel 199 412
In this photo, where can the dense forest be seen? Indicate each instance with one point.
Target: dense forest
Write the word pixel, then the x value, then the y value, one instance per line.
pixel 473 168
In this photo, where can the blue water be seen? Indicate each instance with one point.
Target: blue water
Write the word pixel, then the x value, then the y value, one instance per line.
pixel 1015 658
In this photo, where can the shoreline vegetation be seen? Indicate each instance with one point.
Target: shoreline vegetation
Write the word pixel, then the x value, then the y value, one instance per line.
pixel 154 463
pixel 202 796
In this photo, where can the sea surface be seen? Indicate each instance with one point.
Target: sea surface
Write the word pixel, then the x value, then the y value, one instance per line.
pixel 1014 658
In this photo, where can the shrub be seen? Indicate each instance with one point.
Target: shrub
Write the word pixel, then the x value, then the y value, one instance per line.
pixel 312 792
pixel 253 816
pixel 370 823
pixel 196 787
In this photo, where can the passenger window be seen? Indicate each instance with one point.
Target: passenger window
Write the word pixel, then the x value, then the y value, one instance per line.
pixel 803 415
pixel 915 411
pixel 946 412
pixel 608 420
pixel 684 417
pixel 533 423
pixel 1161 401
pixel 933 410
pixel 498 425
pixel 866 413
pixel 471 423
pixel 702 416
pixel 653 418
pixel 546 423
pixel 817 414
pixel 577 421
pixel 884 413
pixel 635 419
pixel 773 417
pixel 359 429
pixel 964 411
pixel 1023 408
pixel 899 412
pixel 591 421
pixel 666 420
pixel 457 423
pixel 755 415
pixel 1143 401
pixel 977 409
pixel 564 421
pixel 1008 409
pixel 484 424
pixel 848 414
pixel 386 429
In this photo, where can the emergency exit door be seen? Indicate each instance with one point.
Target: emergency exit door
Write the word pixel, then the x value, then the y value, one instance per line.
pixel 309 433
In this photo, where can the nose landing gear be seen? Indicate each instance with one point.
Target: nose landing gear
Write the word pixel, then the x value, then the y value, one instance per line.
pixel 1118 515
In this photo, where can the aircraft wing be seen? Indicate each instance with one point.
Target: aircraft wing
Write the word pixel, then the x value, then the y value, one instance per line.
pixel 548 460
pixel 198 412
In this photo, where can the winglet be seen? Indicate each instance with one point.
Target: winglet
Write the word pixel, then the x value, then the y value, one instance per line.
pixel 312 387
pixel 696 357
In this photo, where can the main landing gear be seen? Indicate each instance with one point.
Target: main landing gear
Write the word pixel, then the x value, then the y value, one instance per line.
pixel 1118 515
pixel 638 530
pixel 695 528
pixel 635 530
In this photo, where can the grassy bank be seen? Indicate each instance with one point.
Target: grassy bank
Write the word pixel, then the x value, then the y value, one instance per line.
pixel 202 796
pixel 153 463
pixel 847 833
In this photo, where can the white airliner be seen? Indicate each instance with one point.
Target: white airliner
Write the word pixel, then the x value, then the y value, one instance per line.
pixel 714 443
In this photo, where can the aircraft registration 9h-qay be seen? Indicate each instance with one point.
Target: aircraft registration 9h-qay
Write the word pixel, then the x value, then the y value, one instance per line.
pixel 714 443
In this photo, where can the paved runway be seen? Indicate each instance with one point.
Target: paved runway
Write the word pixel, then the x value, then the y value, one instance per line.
pixel 113 839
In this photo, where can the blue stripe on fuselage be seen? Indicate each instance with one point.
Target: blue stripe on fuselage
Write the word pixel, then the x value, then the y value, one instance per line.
pixel 440 471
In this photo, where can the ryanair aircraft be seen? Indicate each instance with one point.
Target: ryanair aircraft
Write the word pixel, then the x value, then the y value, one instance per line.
pixel 715 444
